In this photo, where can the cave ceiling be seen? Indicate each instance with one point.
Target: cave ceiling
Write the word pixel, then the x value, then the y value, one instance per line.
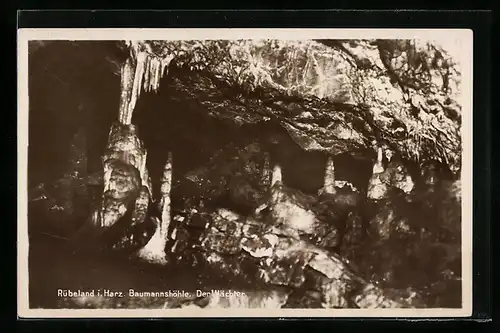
pixel 330 96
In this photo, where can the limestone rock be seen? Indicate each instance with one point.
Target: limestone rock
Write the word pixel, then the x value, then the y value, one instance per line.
pixel 419 79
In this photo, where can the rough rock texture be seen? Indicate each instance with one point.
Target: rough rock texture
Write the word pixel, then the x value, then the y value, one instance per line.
pixel 240 173
pixel 119 215
pixel 68 200
pixel 314 124
pixel 254 251
pixel 418 79
pixel 410 240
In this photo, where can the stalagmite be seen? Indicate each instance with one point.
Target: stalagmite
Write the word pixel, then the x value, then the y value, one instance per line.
pixel 399 175
pixel 376 187
pixel 389 154
pixel 154 251
pixel 329 182
pixel 276 177
pixel 266 171
pixel 126 177
pixel 121 184
pixel 378 167
pixel 276 183
pixel 166 185
pixel 286 210
pixel 123 164
pixel 107 177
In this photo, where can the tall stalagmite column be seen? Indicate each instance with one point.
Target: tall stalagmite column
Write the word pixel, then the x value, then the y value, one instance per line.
pixel 166 186
pixel 124 162
pixel 154 251
pixel 378 167
pixel 126 178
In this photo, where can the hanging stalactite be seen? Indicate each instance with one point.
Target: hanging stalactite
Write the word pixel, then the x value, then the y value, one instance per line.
pixel 127 79
pixel 141 71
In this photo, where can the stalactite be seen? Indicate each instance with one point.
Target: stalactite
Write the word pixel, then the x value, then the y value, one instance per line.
pixel 156 73
pixel 165 62
pixel 154 251
pixel 127 77
pixel 147 75
pixel 150 75
pixel 329 182
pixel 141 71
pixel 137 86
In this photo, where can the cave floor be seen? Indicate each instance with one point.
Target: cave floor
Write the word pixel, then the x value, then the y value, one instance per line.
pixel 54 264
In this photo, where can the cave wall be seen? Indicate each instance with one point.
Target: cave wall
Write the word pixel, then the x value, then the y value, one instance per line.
pixel 71 84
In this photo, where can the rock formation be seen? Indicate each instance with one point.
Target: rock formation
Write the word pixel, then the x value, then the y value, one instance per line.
pixel 236 213
pixel 154 251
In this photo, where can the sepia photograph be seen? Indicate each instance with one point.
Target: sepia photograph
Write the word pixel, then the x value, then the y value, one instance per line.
pixel 244 172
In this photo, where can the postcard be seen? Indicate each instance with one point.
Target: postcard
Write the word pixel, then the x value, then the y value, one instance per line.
pixel 244 173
